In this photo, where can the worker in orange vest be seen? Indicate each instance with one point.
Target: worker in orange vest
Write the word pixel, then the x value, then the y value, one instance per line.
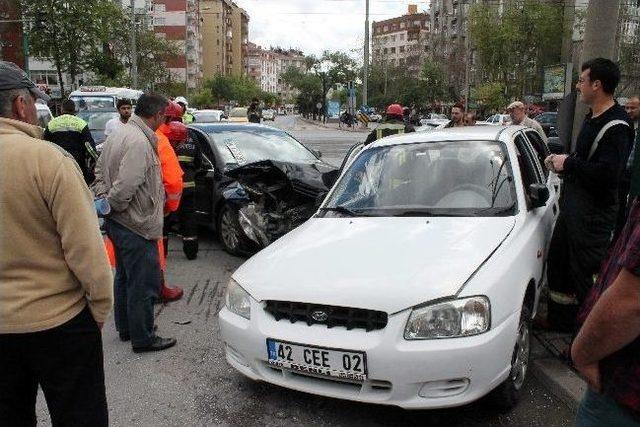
pixel 172 181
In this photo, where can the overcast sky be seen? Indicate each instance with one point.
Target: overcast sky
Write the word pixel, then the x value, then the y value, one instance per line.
pixel 316 25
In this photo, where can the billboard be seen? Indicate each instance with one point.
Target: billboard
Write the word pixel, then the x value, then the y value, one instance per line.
pixel 554 82
pixel 333 109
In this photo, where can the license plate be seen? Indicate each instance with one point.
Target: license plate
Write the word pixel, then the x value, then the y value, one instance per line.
pixel 319 361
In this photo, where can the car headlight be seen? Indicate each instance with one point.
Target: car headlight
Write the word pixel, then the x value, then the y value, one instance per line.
pixel 237 300
pixel 448 319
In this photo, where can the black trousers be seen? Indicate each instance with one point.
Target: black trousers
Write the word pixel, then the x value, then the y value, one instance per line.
pixel 66 362
pixel 187 215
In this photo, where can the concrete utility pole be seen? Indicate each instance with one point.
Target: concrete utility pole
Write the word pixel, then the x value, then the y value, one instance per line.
pixel 134 50
pixel 599 41
pixel 366 55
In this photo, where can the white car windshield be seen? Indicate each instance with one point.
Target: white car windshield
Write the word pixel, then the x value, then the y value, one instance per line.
pixel 240 147
pixel 460 178
pixel 207 116
pixel 94 102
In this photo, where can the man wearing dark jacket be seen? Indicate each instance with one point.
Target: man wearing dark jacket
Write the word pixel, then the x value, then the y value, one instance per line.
pixel 72 133
pixel 589 200
pixel 393 124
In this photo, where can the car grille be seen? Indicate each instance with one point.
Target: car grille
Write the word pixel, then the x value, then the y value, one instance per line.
pixel 350 318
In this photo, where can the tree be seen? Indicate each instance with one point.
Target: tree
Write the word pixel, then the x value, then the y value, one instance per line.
pixel 514 43
pixel 491 96
pixel 240 89
pixel 629 55
pixel 69 32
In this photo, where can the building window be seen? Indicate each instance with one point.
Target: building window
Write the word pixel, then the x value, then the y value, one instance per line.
pixel 393 50
pixel 159 22
pixel 385 51
pixel 159 7
pixel 401 36
pixel 393 38
pixel 401 49
pixel 402 25
pixel 385 28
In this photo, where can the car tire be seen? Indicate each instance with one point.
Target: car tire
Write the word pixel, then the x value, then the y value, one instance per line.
pixel 507 394
pixel 230 234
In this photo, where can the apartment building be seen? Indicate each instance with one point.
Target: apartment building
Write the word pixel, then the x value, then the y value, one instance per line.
pixel 225 38
pixel 402 41
pixel 11 33
pixel 266 66
pixel 179 21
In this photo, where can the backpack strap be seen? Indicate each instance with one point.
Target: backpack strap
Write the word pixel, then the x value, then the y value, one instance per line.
pixel 604 130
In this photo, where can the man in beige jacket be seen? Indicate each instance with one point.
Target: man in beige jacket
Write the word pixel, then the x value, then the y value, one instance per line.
pixel 128 176
pixel 55 279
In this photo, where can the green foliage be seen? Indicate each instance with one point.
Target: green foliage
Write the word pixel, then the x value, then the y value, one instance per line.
pixel 514 45
pixel 490 96
pixel 202 99
pixel 388 85
pixel 71 32
pixel 240 89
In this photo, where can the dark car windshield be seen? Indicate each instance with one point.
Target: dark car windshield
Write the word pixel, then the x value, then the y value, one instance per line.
pixel 457 178
pixel 239 146
pixel 97 120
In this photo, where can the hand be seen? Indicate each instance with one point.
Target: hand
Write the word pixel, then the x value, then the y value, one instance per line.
pixel 591 373
pixel 548 162
pixel 100 325
pixel 558 161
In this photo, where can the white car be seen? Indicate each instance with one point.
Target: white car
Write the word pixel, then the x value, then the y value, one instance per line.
pixel 415 282
pixel 208 116
pixel 268 114
pixel 499 119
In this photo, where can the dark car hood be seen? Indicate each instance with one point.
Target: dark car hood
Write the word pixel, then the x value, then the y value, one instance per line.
pixel 308 179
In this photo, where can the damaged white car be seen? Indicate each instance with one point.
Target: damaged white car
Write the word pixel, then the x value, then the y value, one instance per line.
pixel 415 282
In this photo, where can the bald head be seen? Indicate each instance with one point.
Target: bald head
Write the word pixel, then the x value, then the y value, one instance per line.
pixel 632 107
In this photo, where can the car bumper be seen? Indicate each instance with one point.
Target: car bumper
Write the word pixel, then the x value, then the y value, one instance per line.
pixel 410 374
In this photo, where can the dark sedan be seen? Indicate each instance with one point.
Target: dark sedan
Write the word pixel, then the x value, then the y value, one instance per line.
pixel 97 122
pixel 257 183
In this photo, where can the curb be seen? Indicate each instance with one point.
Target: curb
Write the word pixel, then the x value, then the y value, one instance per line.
pixel 319 124
pixel 561 380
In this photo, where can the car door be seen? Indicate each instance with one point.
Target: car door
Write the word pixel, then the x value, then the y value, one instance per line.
pixel 204 177
pixel 539 221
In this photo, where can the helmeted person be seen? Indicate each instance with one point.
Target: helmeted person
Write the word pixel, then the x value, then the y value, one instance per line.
pixel 190 157
pixel 186 116
pixel 72 133
pixel 393 124
pixel 172 182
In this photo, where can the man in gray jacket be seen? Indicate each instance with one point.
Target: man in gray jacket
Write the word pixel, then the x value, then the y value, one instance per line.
pixel 519 117
pixel 128 174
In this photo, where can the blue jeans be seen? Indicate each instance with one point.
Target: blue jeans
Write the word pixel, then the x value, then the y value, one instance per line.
pixel 597 410
pixel 136 284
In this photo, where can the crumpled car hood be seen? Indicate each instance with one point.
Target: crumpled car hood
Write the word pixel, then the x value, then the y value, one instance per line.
pixel 386 264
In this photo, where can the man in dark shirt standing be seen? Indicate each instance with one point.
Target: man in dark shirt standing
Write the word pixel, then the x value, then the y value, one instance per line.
pixel 589 198
pixel 72 133
pixel 607 348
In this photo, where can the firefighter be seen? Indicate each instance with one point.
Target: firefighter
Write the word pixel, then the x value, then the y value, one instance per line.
pixel 172 181
pixel 392 125
pixel 190 158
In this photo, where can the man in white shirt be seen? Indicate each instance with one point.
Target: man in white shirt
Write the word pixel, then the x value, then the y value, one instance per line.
pixel 124 108
pixel 519 117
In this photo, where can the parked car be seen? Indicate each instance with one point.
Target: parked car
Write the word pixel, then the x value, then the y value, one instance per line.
pixel 549 122
pixel 268 114
pixel 499 119
pixel 239 115
pixel 415 282
pixel 44 114
pixel 208 116
pixel 97 122
pixel 257 183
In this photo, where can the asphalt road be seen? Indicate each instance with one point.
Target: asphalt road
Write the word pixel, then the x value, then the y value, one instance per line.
pixel 192 385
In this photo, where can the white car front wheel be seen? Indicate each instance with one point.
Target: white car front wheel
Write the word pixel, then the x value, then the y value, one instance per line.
pixel 507 394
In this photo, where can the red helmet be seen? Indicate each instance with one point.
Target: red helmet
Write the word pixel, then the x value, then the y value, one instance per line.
pixel 173 111
pixel 177 133
pixel 394 110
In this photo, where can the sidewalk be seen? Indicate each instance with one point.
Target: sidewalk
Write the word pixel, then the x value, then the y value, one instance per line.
pixel 334 125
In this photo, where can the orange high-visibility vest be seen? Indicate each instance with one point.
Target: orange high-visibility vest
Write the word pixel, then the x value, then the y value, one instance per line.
pixel 171 170
pixel 111 253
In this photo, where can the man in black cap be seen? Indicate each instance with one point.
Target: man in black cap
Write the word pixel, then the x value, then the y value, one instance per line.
pixel 56 285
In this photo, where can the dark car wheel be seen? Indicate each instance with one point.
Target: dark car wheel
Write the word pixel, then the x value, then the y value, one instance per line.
pixel 507 394
pixel 230 233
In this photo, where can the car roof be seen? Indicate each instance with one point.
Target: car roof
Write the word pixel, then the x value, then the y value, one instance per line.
pixel 230 126
pixel 208 111
pixel 466 133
